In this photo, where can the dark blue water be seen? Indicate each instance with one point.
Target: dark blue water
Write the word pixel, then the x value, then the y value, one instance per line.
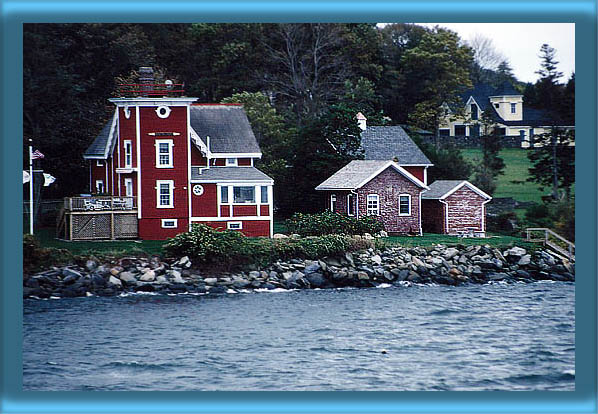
pixel 491 337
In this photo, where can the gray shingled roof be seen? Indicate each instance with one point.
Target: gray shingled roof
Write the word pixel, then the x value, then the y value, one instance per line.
pixel 353 175
pixel 226 125
pixel 440 187
pixel 99 146
pixel 229 174
pixel 390 142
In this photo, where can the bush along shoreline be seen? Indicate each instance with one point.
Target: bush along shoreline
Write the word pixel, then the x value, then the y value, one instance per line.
pixel 370 267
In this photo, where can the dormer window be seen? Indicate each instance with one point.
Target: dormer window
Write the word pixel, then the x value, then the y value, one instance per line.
pixel 474 112
pixel 513 108
pixel 496 106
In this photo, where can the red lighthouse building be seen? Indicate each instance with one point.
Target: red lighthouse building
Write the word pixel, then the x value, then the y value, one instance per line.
pixel 177 163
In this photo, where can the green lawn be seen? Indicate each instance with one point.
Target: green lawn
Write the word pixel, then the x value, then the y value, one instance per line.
pixel 516 169
pixel 47 238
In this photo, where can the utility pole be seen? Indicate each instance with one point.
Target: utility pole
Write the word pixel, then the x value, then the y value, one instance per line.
pixel 30 186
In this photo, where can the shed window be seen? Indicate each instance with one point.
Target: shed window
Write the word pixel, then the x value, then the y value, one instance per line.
pixel 373 205
pixel 404 205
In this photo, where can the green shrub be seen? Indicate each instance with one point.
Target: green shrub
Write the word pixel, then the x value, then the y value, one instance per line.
pixel 36 257
pixel 206 245
pixel 331 223
pixel 503 223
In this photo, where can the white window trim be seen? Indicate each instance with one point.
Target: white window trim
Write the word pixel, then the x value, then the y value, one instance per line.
pixel 332 202
pixel 231 223
pixel 163 111
pixel 409 198
pixel 170 146
pixel 367 202
pixel 127 142
pixel 262 187
pixel 171 193
pixel 235 162
pixel 513 108
pixel 128 180
pixel 232 191
pixel 349 205
pixel 174 221
pixel 99 163
pixel 103 186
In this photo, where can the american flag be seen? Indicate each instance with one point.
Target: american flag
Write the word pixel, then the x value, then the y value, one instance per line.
pixel 36 155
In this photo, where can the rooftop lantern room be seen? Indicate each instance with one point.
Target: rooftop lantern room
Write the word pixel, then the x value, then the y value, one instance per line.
pixel 148 88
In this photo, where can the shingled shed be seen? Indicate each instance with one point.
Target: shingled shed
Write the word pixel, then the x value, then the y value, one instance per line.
pixel 454 207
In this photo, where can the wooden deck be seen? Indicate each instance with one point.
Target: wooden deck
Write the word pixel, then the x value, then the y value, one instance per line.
pixel 97 218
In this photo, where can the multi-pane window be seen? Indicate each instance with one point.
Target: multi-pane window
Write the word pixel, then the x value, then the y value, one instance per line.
pixel 224 194
pixel 164 153
pixel 164 190
pixel 513 108
pixel 264 194
pixel 231 162
pixel 128 154
pixel 333 203
pixel 373 205
pixel 243 195
pixel 404 205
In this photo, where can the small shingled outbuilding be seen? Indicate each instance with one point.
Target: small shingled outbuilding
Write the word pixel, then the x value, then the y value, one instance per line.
pixel 454 207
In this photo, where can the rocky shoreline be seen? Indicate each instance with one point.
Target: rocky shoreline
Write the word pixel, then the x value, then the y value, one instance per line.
pixel 399 266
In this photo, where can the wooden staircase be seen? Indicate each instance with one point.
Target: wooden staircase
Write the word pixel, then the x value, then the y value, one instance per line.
pixel 552 240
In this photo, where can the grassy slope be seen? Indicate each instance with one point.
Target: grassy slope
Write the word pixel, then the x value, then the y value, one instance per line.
pixel 46 236
pixel 516 169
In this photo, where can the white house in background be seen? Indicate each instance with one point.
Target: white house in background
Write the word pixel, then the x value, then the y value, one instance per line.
pixel 504 106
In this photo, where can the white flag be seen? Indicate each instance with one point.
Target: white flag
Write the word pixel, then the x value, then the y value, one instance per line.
pixel 48 179
pixel 26 177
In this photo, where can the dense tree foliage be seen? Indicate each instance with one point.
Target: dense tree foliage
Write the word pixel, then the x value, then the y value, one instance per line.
pixel 301 85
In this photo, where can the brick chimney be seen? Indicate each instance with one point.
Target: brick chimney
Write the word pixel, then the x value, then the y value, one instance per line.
pixel 146 78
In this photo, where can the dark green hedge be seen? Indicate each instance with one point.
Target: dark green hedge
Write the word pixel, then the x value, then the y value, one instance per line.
pixel 206 245
pixel 331 223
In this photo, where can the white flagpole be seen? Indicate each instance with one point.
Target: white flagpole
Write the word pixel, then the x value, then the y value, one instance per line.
pixel 30 188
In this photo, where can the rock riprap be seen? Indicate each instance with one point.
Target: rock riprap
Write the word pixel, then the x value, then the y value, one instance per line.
pixel 397 265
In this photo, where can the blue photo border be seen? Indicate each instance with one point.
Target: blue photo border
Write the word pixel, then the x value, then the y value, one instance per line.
pixel 17 12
